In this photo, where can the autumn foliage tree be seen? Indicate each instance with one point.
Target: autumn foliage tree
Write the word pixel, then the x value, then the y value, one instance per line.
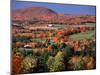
pixel 56 63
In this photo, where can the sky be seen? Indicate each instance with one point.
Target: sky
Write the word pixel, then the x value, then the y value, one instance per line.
pixel 60 8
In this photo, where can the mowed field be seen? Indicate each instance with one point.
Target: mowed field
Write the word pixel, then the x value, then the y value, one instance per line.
pixel 83 35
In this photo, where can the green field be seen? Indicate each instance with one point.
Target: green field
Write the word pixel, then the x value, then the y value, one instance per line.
pixel 83 35
pixel 59 25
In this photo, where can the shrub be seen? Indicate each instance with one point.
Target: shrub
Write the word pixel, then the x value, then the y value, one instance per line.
pixel 28 64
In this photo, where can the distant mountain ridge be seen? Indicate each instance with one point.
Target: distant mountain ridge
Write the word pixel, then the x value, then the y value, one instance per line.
pixel 43 15
pixel 32 12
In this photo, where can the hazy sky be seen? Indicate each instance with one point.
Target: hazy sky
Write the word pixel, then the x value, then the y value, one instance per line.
pixel 61 8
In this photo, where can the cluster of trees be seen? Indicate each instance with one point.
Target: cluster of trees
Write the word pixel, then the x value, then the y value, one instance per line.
pixel 40 33
pixel 76 20
pixel 53 57
pixel 73 30
pixel 54 52
pixel 25 61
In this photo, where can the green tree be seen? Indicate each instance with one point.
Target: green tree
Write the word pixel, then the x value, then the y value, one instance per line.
pixel 56 63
